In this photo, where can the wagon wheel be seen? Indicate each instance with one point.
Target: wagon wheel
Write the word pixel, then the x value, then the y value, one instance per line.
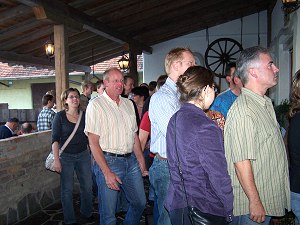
pixel 221 52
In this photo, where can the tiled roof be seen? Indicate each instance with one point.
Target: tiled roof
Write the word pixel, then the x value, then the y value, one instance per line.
pixel 21 72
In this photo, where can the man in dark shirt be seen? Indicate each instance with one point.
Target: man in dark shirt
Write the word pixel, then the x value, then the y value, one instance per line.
pixel 8 130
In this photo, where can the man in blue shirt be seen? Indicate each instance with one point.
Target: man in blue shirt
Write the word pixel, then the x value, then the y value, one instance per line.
pixel 163 105
pixel 223 101
pixel 8 130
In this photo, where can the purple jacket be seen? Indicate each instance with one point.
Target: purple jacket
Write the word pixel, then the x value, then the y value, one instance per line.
pixel 202 158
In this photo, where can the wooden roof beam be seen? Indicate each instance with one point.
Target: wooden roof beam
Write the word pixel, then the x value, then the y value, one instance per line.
pixel 61 13
pixel 14 12
pixel 10 57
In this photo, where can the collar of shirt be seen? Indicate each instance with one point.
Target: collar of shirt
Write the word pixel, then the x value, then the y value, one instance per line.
pixel 10 129
pixel 259 99
pixel 171 84
pixel 105 95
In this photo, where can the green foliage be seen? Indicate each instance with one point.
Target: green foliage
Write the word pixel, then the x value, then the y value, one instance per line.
pixel 281 111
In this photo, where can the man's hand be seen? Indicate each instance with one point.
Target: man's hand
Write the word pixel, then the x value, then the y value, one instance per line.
pixel 144 171
pixel 245 175
pixel 257 212
pixel 112 181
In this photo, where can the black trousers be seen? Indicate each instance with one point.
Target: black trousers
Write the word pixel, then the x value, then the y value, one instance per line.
pixel 180 217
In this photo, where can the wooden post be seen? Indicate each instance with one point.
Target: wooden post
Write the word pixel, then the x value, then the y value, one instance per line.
pixel 133 67
pixel 61 62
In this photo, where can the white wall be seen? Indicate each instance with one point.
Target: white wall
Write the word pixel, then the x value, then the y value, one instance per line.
pixel 154 63
pixel 285 37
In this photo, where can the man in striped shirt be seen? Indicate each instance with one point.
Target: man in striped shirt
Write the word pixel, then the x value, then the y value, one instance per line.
pixel 254 149
pixel 111 128
pixel 163 104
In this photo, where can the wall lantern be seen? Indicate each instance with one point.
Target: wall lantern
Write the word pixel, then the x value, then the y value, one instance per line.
pixel 124 63
pixel 289 6
pixel 49 49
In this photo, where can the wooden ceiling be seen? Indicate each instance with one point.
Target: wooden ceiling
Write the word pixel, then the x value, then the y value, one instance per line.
pixel 103 29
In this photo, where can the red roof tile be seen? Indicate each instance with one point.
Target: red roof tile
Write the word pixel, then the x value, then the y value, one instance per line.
pixel 19 71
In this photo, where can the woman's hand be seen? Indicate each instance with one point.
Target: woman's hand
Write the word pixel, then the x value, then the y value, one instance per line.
pixel 57 166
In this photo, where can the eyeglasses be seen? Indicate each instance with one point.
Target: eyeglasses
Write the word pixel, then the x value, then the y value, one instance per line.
pixel 189 63
pixel 72 97
pixel 214 88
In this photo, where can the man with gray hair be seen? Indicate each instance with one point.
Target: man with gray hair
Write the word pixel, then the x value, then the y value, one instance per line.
pixel 254 149
pixel 119 162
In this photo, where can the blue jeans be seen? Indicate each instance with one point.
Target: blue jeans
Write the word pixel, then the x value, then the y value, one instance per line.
pixel 295 202
pixel 245 220
pixel 80 163
pixel 128 170
pixel 159 176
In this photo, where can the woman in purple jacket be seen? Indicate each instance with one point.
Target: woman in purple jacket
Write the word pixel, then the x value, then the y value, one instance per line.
pixel 198 142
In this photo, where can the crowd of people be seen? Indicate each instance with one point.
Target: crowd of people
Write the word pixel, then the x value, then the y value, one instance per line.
pixel 221 158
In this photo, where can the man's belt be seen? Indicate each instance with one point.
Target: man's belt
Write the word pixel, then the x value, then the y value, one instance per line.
pixel 117 155
pixel 160 157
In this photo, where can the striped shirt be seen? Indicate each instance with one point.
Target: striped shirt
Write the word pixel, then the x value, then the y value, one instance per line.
pixel 163 104
pixel 252 133
pixel 115 124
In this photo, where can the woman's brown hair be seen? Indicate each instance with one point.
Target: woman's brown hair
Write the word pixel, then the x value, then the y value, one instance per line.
pixel 65 95
pixel 191 83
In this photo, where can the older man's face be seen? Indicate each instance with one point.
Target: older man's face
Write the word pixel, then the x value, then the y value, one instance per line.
pixel 114 84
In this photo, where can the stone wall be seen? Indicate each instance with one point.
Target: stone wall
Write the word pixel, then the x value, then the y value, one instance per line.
pixel 25 185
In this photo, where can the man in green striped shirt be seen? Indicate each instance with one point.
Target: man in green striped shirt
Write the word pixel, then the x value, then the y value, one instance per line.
pixel 255 152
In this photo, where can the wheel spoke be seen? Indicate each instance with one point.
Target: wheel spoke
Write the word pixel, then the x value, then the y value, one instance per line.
pixel 231 48
pixel 225 47
pixel 214 62
pixel 213 56
pixel 232 59
pixel 215 51
pixel 218 66
pixel 235 52
pixel 223 70
pixel 220 48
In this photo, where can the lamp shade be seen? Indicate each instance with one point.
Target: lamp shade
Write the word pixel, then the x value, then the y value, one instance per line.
pixel 49 48
pixel 289 1
pixel 124 63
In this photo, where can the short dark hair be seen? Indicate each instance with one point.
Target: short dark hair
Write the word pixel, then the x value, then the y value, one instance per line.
pixel 228 68
pixel 47 98
pixel 13 120
pixel 99 83
pixel 141 91
pixel 152 85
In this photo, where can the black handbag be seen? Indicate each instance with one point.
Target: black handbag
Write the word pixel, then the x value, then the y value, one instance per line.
pixel 195 215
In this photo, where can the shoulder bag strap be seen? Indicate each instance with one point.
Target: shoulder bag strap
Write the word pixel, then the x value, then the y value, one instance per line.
pixel 72 134
pixel 179 166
